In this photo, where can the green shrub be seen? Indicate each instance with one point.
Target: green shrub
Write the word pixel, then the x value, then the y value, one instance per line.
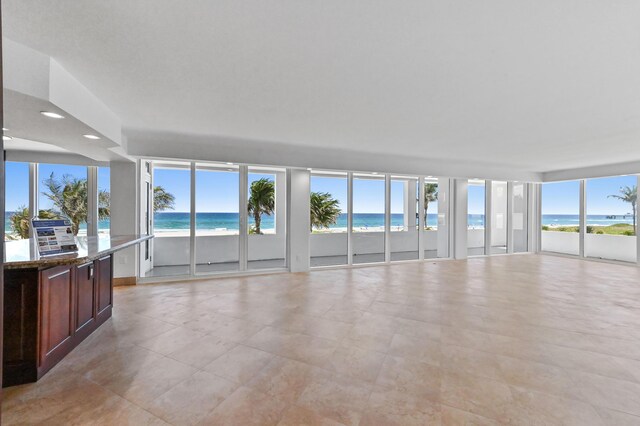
pixel 628 233
pixel 545 227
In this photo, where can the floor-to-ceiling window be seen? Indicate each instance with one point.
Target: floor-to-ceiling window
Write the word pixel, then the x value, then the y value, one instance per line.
pixel 60 190
pixel 611 218
pixel 17 215
pixel 266 205
pixel 63 192
pixel 476 217
pixel 217 218
pixel 499 217
pixel 520 218
pixel 561 217
pixel 436 217
pixel 171 219
pixel 368 218
pixel 404 233
pixel 219 230
pixel 329 209
pixel 104 197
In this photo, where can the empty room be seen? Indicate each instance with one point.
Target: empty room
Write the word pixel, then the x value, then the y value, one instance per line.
pixel 332 213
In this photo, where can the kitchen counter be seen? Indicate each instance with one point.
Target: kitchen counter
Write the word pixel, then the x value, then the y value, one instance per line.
pixel 24 253
pixel 53 303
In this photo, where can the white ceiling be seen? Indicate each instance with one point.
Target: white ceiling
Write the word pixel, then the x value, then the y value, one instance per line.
pixel 538 85
pixel 25 124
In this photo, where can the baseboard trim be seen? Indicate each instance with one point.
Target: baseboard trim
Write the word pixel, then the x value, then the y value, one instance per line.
pixel 124 281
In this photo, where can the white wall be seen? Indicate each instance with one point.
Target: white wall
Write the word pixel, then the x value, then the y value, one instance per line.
pixel 145 143
pixel 460 219
pixel 499 207
pixel 603 246
pixel 475 238
pixel 174 250
pixel 299 220
pixel 561 242
pixel 224 248
pixel 123 219
pixel 614 247
pixel 335 244
pixel 444 197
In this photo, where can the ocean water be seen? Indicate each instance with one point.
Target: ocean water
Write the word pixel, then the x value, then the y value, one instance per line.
pixel 103 225
pixel 224 221
pixel 592 219
pixel 167 221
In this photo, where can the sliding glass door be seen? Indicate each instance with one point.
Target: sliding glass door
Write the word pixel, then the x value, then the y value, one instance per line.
pixel 226 226
pixel 561 217
pixel 499 217
pixel 368 229
pixel 476 218
pixel 217 218
pixel 404 235
pixel 611 218
pixel 520 218
pixel 171 219
pixel 266 206
pixel 329 212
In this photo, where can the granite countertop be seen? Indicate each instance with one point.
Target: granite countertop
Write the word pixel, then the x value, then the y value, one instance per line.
pixel 22 254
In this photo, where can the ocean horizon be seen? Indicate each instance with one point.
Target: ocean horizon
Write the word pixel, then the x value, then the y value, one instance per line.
pixel 168 221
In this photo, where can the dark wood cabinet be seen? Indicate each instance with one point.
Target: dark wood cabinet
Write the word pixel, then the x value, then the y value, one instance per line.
pixel 48 312
pixel 20 320
pixel 104 288
pixel 86 299
pixel 57 324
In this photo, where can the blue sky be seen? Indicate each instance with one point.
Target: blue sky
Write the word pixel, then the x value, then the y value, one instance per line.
pixel 564 197
pixel 475 199
pixel 368 194
pixel 218 191
pixel 17 191
pixel 45 170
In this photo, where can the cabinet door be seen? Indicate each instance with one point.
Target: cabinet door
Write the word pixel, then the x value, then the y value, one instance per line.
pixel 104 289
pixel 56 315
pixel 85 305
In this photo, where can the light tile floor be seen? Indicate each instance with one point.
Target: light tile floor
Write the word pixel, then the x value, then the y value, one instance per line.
pixel 519 339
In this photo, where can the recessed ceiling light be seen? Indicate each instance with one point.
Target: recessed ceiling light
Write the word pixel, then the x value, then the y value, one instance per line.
pixel 51 114
pixel 6 138
pixel 4 129
pixel 230 164
pixel 309 169
pixel 94 137
pixel 374 173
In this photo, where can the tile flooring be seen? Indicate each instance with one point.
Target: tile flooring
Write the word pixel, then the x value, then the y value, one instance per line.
pixel 524 339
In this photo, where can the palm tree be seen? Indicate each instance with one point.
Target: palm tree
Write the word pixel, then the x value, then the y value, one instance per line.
pixel 104 204
pixel 324 209
pixel 430 196
pixel 20 221
pixel 69 198
pixel 261 200
pixel 629 195
pixel 162 200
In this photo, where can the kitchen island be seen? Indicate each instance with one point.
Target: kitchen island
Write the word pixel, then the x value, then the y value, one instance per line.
pixel 53 303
